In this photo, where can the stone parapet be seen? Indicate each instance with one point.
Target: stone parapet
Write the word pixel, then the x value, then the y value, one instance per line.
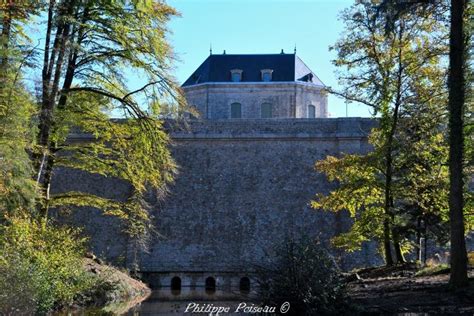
pixel 320 128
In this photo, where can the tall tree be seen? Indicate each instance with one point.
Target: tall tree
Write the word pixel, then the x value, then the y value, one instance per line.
pixel 458 66
pixel 380 68
pixel 101 58
pixel 459 13
pixel 457 98
pixel 17 190
pixel 421 185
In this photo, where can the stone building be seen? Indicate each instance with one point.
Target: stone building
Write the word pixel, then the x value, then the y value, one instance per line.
pixel 255 86
pixel 246 177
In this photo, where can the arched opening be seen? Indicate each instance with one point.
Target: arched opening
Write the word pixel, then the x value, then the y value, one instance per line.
pixel 311 111
pixel 266 110
pixel 210 285
pixel 176 285
pixel 235 110
pixel 244 285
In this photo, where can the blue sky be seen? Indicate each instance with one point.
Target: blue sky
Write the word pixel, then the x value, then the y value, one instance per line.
pixel 261 26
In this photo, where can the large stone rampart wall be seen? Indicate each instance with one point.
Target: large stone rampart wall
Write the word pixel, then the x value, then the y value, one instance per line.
pixel 244 186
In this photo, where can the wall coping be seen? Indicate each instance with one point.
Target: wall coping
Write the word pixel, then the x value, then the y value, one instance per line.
pixel 263 129
pixel 244 84
pixel 266 129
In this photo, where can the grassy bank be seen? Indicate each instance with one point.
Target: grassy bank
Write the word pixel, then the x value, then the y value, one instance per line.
pixel 42 268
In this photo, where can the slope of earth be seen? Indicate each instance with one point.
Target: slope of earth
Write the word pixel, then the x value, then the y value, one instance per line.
pixel 382 291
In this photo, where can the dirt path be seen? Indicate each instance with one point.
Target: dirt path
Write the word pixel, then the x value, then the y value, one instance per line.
pixel 409 294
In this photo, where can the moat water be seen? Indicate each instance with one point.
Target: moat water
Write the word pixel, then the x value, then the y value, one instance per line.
pixel 155 306
pixel 161 303
pixel 158 303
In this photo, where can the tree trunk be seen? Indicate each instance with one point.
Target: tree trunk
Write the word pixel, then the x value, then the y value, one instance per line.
pixel 48 174
pixel 398 250
pixel 5 36
pixel 72 62
pixel 418 240
pixel 425 243
pixel 456 84
pixel 386 242
pixel 396 240
pixel 41 156
pixel 388 198
pixel 50 95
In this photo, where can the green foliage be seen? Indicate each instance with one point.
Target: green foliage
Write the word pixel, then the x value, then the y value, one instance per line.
pixel 307 277
pixel 369 57
pixel 41 266
pixel 419 189
pixel 433 270
pixel 400 188
pixel 360 191
pixel 123 149
pixel 422 184
pixel 17 188
pixel 91 48
pixel 470 258
pixel 103 45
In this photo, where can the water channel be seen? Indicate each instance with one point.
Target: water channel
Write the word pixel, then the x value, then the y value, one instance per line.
pixel 166 302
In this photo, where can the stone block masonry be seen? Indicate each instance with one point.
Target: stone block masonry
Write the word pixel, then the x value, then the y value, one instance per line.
pixel 288 99
pixel 244 187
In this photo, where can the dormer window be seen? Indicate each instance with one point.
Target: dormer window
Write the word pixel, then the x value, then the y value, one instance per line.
pixel 267 74
pixel 236 75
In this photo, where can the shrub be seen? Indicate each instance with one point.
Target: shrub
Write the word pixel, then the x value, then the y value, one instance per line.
pixel 470 258
pixel 306 276
pixel 17 290
pixel 40 267
pixel 433 269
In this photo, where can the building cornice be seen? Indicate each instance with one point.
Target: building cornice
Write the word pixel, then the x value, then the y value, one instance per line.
pixel 341 129
pixel 241 85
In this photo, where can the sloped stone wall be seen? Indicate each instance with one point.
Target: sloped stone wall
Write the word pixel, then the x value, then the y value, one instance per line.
pixel 244 187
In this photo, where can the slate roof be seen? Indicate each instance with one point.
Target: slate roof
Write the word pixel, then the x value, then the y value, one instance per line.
pixel 286 67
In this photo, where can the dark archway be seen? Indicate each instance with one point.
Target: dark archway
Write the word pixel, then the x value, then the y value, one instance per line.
pixel 210 285
pixel 244 285
pixel 176 285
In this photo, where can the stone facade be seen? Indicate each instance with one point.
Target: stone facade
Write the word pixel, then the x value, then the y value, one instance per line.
pixel 281 81
pixel 288 99
pixel 244 187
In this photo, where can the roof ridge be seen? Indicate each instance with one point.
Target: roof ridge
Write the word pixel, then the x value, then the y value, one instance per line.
pixel 216 68
pixel 276 54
